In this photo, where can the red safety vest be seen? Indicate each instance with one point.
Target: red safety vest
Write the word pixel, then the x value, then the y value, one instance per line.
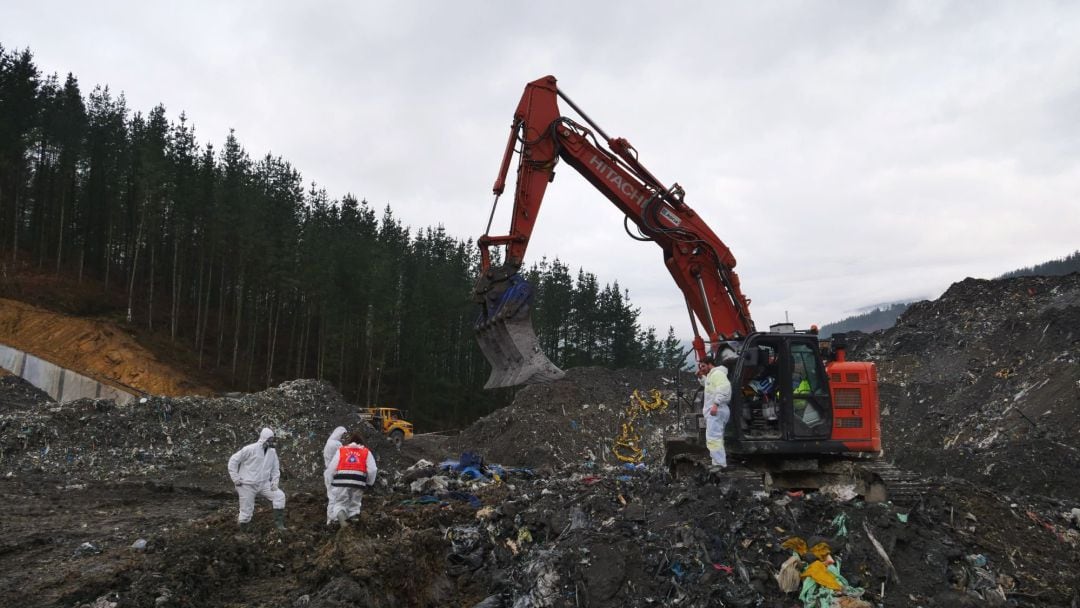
pixel 352 459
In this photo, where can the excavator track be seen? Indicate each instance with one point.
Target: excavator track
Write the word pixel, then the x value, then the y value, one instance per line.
pixel 903 486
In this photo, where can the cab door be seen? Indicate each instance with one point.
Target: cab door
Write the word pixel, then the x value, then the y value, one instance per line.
pixel 807 400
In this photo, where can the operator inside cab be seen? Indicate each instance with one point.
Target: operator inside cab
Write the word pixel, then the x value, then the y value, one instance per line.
pixel 805 383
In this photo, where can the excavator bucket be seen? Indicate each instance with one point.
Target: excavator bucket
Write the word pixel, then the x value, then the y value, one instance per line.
pixel 506 337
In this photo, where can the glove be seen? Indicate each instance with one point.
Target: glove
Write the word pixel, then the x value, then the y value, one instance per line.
pixel 237 483
pixel 713 410
pixel 273 486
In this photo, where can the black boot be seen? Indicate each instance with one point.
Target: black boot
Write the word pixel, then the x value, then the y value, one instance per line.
pixel 279 519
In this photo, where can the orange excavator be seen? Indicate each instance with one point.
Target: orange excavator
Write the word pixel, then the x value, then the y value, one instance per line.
pixel 794 401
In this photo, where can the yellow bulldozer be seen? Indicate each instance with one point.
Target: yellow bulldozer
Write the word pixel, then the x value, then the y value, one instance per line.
pixel 390 421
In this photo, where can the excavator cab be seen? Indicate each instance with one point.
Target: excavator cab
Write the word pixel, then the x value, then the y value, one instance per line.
pixel 780 393
pixel 800 415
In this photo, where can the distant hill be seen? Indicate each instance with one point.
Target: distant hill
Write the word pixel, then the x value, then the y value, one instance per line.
pixel 882 317
pixel 1063 266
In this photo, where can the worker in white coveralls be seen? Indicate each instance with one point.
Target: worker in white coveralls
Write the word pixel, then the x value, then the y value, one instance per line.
pixel 715 408
pixel 353 469
pixel 255 471
pixel 333 444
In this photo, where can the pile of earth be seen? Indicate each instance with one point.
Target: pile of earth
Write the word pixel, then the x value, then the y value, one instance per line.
pixel 18 394
pixel 577 419
pixel 173 439
pixel 984 383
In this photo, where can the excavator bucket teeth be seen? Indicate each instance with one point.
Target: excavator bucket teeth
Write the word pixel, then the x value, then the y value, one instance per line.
pixel 513 350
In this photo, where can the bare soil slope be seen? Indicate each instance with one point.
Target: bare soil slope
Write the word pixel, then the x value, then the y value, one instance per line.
pixel 93 347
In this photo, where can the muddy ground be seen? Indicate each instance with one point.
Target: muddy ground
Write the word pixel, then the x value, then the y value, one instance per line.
pixel 565 524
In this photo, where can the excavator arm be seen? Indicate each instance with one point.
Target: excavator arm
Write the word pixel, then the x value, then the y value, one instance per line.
pixel 699 262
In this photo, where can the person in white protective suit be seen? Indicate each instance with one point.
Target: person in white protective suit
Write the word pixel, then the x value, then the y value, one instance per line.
pixel 715 407
pixel 255 471
pixel 352 469
pixel 333 444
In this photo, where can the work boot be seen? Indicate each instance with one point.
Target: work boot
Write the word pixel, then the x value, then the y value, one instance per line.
pixel 245 526
pixel 279 519
pixel 342 519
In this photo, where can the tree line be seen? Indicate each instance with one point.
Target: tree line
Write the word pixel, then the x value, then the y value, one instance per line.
pixel 1061 266
pixel 264 277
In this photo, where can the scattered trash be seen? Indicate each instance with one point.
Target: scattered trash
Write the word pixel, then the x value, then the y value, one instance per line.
pixel 839 523
pixel 978 560
pixel 87 548
pixel 788 578
pixel 139 545
pixel 842 492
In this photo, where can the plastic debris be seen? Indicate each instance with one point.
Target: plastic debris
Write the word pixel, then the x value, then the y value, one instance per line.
pixel 977 559
pixel 839 523
pixel 87 548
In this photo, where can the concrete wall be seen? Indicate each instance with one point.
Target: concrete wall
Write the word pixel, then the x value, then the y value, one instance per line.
pixel 61 384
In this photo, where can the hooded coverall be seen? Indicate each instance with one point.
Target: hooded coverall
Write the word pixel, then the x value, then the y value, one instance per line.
pixel 255 471
pixel 718 393
pixel 348 499
pixel 333 444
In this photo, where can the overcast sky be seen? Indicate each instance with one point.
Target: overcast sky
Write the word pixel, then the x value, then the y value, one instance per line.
pixel 849 153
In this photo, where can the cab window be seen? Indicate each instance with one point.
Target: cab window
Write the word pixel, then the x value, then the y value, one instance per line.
pixel 805 375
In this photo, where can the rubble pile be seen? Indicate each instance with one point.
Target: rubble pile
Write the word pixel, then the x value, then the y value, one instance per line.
pixel 176 438
pixel 577 419
pixel 530 508
pixel 605 537
pixel 18 394
pixel 984 383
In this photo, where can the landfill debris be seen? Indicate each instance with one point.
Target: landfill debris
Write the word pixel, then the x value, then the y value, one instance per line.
pixel 559 523
pixel 945 402
pixel 87 548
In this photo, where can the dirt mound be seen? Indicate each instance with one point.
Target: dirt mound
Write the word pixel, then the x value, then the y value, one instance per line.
pixel 576 419
pixel 984 383
pixel 18 394
pixel 91 347
pixel 181 438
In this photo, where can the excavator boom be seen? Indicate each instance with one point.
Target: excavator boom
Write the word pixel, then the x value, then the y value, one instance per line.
pixel 699 262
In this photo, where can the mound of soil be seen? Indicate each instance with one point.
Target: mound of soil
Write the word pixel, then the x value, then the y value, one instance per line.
pixel 984 383
pixel 176 438
pixel 18 394
pixel 577 419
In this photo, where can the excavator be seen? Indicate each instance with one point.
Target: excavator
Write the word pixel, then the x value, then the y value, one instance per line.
pixel 801 413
